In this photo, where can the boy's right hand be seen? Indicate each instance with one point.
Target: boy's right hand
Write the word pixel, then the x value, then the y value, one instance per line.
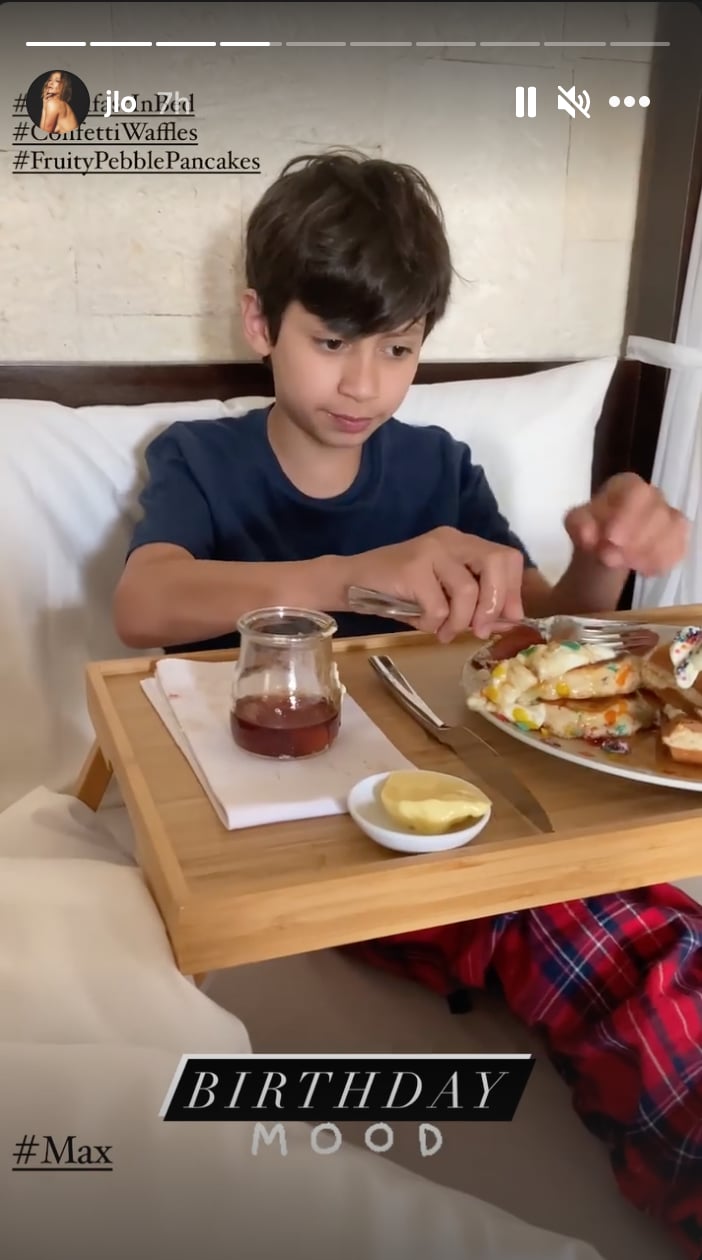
pixel 462 582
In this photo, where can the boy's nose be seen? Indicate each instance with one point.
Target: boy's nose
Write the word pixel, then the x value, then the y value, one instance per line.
pixel 359 379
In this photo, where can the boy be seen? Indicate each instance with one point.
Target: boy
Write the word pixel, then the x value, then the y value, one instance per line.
pixel 348 269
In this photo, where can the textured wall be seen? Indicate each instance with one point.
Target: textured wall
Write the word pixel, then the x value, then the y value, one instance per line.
pixel 541 211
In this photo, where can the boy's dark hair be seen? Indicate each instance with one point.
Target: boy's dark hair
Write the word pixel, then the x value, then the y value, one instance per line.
pixel 360 242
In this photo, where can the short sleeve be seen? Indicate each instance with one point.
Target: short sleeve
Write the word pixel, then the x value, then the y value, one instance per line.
pixel 479 512
pixel 175 509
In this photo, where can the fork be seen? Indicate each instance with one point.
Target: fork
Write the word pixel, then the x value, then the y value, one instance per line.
pixel 618 636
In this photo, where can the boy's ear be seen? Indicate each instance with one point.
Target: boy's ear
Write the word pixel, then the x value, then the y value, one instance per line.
pixel 254 323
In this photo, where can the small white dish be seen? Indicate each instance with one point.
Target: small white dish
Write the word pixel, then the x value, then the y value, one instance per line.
pixel 369 813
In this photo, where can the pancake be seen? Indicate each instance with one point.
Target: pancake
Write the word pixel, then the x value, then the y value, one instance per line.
pixel 672 673
pixel 620 677
pixel 517 688
pixel 658 674
pixel 570 691
pixel 614 717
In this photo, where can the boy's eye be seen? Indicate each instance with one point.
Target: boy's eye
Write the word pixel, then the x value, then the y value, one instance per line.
pixel 329 343
pixel 336 343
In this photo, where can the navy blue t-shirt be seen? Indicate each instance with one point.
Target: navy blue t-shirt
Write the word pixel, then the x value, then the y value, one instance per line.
pixel 217 489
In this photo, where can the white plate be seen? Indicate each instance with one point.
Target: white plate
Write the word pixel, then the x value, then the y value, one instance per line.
pixel 635 765
pixel 369 813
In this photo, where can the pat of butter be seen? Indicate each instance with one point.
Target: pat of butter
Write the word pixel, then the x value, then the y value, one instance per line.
pixel 429 803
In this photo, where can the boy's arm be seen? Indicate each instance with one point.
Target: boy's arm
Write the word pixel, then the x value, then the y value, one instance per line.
pixel 174 591
pixel 166 596
pixel 627 526
pixel 586 587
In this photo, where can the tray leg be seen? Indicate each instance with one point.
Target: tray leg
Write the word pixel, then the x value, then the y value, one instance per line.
pixel 94 778
pixel 201 979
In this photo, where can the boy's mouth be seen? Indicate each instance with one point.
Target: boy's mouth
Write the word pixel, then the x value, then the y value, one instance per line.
pixel 351 424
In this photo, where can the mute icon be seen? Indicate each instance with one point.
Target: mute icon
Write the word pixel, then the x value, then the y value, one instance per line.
pixel 572 100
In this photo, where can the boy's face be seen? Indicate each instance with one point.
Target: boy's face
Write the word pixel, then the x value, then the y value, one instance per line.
pixel 339 392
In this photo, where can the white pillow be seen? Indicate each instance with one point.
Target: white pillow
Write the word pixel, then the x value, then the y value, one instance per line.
pixel 71 480
pixel 70 484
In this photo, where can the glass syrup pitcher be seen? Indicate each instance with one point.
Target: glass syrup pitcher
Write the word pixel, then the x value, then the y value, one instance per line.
pixel 286 695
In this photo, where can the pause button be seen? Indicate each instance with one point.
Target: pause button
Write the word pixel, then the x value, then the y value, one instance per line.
pixel 530 94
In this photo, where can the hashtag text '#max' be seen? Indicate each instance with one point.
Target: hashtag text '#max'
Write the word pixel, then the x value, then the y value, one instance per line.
pixel 66 1154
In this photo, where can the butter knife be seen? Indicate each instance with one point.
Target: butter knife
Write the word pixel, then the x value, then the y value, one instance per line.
pixel 475 752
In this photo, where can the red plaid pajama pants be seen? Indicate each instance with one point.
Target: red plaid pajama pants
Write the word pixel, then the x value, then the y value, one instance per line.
pixel 614 985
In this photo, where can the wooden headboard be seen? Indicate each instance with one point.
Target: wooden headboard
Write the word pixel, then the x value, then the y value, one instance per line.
pixel 626 434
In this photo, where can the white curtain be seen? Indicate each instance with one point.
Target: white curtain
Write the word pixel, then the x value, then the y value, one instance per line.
pixel 678 465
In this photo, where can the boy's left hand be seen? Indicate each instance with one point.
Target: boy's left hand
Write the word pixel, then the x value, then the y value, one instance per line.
pixel 629 525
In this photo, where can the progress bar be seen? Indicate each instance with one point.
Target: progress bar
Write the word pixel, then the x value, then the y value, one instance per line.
pixel 298 43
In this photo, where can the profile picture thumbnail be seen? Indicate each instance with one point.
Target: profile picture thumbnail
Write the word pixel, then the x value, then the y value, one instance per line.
pixel 58 102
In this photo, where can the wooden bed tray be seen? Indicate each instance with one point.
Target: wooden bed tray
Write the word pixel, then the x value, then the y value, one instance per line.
pixel 232 897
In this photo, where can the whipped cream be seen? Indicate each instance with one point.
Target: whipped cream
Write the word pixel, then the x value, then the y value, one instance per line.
pixel 686 656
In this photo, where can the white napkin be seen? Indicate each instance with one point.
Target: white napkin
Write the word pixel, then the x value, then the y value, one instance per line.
pixel 193 700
